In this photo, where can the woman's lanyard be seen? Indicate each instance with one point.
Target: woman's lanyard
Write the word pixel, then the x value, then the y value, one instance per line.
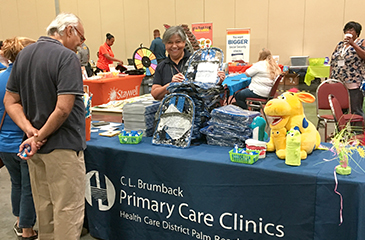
pixel 344 49
pixel 177 70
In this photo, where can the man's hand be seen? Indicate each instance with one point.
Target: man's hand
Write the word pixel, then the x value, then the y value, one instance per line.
pixel 34 144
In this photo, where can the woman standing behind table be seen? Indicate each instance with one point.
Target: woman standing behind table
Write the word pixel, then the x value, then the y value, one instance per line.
pixel 170 69
pixel 10 138
pixel 106 55
pixel 263 74
pixel 348 64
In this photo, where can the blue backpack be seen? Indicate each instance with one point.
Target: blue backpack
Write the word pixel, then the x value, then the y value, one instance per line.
pixel 174 121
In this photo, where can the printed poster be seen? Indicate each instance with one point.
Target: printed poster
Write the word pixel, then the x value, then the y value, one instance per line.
pixel 203 33
pixel 238 44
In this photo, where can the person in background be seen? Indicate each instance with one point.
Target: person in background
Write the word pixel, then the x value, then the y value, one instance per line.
pixel 263 74
pixel 83 54
pixel 348 64
pixel 10 138
pixel 171 69
pixel 44 98
pixel 4 63
pixel 157 46
pixel 106 55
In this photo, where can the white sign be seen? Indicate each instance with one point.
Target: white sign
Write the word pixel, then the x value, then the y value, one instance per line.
pixel 238 44
pixel 207 72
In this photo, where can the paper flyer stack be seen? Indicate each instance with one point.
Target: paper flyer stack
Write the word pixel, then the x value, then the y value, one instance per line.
pixel 140 115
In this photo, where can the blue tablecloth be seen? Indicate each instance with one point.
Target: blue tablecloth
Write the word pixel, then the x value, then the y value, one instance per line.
pixel 236 82
pixel 150 192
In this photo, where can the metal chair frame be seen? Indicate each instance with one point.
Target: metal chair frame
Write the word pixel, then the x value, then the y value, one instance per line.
pixel 339 118
pixel 340 91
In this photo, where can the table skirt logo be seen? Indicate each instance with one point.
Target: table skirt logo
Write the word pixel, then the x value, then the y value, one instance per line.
pixel 117 94
pixel 105 197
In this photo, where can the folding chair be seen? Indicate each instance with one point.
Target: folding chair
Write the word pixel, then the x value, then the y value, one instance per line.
pixel 339 117
pixel 340 91
pixel 258 104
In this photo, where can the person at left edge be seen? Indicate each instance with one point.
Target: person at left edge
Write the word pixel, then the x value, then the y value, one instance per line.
pixel 4 63
pixel 44 95
pixel 10 138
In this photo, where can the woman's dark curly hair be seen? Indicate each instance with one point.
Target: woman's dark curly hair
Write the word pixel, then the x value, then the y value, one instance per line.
pixel 353 25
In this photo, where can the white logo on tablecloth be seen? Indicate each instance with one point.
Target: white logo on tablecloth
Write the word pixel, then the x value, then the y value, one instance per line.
pixel 104 197
pixel 113 94
pixel 118 94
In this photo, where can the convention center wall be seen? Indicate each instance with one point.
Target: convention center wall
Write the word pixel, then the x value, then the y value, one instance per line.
pixel 286 27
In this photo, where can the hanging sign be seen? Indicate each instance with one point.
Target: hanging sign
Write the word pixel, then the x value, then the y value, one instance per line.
pixel 203 33
pixel 238 44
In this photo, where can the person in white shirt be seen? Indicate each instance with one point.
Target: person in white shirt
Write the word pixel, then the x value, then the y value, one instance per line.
pixel 263 74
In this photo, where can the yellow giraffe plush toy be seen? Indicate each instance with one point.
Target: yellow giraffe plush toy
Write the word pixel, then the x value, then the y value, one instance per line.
pixel 287 112
pixel 277 141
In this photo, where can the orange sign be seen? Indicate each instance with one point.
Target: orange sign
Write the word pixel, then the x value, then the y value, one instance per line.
pixel 203 33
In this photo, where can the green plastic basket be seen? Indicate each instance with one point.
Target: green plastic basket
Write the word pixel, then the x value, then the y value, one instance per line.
pixel 244 157
pixel 316 61
pixel 130 139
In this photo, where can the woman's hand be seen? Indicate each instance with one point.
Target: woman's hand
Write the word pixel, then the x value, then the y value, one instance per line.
pixel 222 76
pixel 348 39
pixel 178 78
pixel 351 42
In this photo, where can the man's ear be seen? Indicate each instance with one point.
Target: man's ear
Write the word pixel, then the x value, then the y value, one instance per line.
pixel 69 31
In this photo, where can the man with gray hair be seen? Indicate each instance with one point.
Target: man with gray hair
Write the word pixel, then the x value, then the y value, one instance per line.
pixel 44 98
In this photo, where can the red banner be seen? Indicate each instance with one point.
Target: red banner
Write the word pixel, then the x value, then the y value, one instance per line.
pixel 203 33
